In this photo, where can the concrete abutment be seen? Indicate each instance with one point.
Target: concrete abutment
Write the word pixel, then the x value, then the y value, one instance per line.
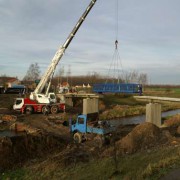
pixel 153 113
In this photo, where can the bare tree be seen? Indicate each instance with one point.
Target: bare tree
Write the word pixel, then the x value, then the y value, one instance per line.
pixel 143 79
pixel 94 77
pixel 33 73
pixel 131 77
pixel 134 76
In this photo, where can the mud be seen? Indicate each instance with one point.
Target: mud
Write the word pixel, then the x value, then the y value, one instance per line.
pixel 18 149
pixel 24 137
pixel 43 135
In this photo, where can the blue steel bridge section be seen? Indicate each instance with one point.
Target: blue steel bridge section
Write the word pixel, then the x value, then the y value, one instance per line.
pixel 125 88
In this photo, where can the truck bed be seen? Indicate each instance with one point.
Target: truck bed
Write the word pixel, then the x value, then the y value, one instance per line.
pixel 99 130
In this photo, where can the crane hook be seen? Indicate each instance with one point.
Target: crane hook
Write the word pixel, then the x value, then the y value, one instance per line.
pixel 116 43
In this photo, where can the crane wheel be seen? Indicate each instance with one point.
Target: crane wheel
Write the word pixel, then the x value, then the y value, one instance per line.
pixel 77 138
pixel 29 110
pixel 54 109
pixel 45 110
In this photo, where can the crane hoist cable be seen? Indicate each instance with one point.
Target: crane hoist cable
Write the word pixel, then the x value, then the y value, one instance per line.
pixel 117 19
pixel 115 72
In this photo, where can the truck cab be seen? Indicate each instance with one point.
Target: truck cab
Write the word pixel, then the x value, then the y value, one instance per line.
pixel 18 104
pixel 80 125
pixel 80 128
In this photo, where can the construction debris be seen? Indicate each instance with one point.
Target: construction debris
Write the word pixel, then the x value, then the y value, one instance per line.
pixel 22 127
pixel 8 118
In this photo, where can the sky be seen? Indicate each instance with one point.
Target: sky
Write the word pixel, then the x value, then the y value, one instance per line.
pixel 148 33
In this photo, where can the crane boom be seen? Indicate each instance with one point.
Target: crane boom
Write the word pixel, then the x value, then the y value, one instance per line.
pixel 57 57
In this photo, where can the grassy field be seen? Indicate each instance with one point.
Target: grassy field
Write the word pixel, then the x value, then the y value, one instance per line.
pixel 143 165
pixel 166 91
pixel 114 99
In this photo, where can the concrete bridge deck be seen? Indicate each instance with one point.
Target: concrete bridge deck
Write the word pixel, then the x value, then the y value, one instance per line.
pixel 81 95
pixel 154 98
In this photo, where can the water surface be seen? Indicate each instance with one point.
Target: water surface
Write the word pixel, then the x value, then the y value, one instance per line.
pixel 140 118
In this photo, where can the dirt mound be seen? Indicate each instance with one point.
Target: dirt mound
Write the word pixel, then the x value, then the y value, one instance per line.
pixel 142 136
pixel 133 138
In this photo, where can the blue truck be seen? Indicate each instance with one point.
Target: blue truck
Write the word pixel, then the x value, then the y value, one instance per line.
pixel 80 128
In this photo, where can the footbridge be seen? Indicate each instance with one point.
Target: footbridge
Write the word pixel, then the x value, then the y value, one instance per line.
pixel 154 98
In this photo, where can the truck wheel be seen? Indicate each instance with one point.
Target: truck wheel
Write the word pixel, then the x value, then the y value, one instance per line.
pixel 45 110
pixel 77 138
pixel 29 110
pixel 54 109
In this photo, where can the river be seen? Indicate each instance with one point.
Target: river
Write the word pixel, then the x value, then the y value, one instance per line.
pixel 140 118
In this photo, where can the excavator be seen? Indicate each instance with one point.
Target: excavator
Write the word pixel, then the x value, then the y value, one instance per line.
pixel 46 102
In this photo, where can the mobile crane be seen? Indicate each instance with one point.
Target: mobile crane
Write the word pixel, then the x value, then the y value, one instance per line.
pixel 39 102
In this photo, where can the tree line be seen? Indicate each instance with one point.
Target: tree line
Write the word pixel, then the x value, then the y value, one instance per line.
pixel 33 73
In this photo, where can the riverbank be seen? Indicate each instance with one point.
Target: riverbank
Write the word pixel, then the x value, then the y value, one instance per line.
pixel 144 151
pixel 150 154
pixel 119 111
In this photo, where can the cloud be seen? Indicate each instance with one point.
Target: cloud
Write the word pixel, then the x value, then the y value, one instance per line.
pixel 149 36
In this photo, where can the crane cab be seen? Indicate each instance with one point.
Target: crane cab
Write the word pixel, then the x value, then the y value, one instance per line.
pixel 18 104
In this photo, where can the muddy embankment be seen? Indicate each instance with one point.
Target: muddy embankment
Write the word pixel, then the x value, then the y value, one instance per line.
pixel 18 149
pixel 21 141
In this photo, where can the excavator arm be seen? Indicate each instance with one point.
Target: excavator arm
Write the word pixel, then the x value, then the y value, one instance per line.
pixel 60 52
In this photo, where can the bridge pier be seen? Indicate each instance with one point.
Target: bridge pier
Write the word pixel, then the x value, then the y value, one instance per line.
pixel 153 113
pixel 69 101
pixel 90 106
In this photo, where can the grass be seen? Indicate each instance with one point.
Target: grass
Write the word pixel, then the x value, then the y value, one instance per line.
pixel 114 99
pixel 121 111
pixel 142 165
pixel 18 174
pixel 163 91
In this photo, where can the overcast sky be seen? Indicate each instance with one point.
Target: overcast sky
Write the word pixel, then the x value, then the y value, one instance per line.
pixel 149 36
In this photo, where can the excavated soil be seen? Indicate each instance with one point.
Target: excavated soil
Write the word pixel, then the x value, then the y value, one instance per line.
pixel 39 135
pixel 17 149
pixel 23 137
pixel 143 137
